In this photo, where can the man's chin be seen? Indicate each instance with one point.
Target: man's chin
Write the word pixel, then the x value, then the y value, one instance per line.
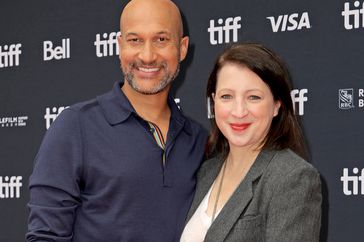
pixel 148 89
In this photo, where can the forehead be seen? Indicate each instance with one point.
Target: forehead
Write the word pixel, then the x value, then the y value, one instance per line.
pixel 238 77
pixel 151 20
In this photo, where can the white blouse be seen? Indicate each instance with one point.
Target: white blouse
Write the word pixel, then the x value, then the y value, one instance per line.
pixel 200 222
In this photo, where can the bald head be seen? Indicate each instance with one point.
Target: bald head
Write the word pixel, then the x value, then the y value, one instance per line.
pixel 152 10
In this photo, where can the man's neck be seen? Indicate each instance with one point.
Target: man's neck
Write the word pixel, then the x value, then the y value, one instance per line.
pixel 152 108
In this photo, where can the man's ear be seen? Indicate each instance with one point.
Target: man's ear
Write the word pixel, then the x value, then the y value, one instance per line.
pixel 183 48
pixel 120 40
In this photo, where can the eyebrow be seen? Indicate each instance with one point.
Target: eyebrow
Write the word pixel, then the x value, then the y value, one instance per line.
pixel 157 33
pixel 233 90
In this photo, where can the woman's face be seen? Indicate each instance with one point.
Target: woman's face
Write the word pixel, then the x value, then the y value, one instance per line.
pixel 244 106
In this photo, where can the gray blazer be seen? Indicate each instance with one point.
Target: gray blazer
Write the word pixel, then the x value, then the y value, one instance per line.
pixel 278 200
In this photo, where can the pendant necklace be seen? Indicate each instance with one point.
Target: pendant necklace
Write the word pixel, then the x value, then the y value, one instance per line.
pixel 218 191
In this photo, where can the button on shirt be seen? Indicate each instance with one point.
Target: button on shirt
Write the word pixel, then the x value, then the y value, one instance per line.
pixel 99 175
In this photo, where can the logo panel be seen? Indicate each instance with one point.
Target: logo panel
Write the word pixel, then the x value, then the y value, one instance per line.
pixel 350 98
pixel 107 44
pixel 9 122
pixel 10 55
pixel 220 33
pixel 346 98
pixel 353 184
pixel 353 15
pixel 10 186
pixel 52 52
pixel 290 22
pixel 51 115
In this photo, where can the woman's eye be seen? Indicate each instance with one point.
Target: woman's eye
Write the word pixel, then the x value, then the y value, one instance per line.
pixel 254 97
pixel 226 96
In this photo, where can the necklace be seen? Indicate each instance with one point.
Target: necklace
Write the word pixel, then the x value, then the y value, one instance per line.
pixel 218 192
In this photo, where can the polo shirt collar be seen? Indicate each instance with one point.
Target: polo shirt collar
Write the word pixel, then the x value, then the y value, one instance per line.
pixel 117 108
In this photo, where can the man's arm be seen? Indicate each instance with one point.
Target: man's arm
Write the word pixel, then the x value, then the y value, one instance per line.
pixel 54 184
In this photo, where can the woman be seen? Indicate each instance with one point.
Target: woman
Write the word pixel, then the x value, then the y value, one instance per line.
pixel 256 186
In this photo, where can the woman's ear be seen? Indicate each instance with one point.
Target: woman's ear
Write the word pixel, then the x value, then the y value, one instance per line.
pixel 277 106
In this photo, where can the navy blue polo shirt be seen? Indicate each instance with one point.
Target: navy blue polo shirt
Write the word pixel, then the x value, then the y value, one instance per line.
pixel 99 176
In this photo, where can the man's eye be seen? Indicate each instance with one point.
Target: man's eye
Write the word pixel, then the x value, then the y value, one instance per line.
pixel 133 40
pixel 162 40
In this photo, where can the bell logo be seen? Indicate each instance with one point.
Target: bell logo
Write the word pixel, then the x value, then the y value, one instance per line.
pixel 290 22
pixel 58 52
pixel 223 32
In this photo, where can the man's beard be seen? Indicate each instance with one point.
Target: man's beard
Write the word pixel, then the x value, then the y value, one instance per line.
pixel 163 83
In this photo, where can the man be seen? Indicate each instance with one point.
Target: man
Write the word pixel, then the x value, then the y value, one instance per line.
pixel 122 167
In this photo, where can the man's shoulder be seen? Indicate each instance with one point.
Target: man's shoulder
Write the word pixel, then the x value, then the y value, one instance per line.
pixel 195 124
pixel 86 110
pixel 90 105
pixel 196 128
pixel 84 106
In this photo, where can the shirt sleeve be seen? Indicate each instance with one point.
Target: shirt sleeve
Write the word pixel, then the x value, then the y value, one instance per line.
pixel 294 213
pixel 55 183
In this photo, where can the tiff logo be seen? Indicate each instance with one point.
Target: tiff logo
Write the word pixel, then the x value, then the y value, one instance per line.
pixel 352 16
pixel 223 32
pixel 107 45
pixel 51 115
pixel 290 22
pixel 57 52
pixel 10 55
pixel 10 186
pixel 299 99
pixel 351 182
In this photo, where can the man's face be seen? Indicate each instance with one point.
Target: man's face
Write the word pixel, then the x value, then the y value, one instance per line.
pixel 150 49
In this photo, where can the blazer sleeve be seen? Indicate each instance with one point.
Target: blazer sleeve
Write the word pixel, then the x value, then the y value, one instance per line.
pixel 294 212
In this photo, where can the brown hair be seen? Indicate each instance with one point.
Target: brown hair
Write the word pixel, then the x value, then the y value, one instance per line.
pixel 285 131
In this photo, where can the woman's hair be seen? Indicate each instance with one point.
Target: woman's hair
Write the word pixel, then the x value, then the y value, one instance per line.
pixel 285 131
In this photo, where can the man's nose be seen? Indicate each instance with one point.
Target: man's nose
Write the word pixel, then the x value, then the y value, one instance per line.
pixel 147 54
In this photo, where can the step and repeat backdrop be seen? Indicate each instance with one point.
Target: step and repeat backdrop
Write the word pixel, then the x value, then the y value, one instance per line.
pixel 56 53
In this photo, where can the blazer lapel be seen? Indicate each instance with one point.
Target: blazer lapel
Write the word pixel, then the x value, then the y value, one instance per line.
pixel 205 178
pixel 240 199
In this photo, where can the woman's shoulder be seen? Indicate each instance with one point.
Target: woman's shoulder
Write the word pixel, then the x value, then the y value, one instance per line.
pixel 210 164
pixel 286 161
pixel 289 158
